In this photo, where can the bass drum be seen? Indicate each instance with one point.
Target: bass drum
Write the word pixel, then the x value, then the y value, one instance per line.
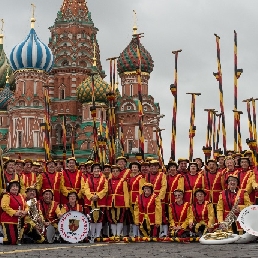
pixel 73 226
pixel 233 238
pixel 50 234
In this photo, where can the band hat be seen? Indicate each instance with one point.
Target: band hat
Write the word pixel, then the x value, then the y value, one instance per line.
pixel 19 161
pixel 171 163
pixel 248 152
pixel 230 151
pixel 72 191
pixel 36 164
pixel 115 167
pixel 193 163
pixel 245 158
pixel 11 183
pixel 178 190
pixel 211 160
pixel 32 187
pixel 200 190
pixel 145 163
pixel 149 185
pixel 96 164
pixel 72 158
pixel 121 158
pixel 8 161
pixel 221 156
pixel 135 163
pixel 233 176
pixel 182 159
pixel 194 160
pixel 106 166
pixel 28 161
pixel 48 190
pixel 154 162
pixel 89 162
pixel 237 154
pixel 82 164
pixel 5 159
pixel 58 160
pixel 51 161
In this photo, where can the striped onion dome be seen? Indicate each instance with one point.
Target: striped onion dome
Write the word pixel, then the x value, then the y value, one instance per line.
pixel 31 54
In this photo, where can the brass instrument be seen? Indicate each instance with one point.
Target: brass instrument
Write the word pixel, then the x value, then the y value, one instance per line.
pixel 19 228
pixel 35 216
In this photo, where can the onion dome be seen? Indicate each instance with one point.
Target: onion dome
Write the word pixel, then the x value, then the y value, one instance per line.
pixel 5 95
pixel 128 59
pixel 32 53
pixel 4 66
pixel 101 88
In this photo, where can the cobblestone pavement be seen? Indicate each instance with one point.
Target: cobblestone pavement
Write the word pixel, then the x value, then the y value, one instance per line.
pixel 130 250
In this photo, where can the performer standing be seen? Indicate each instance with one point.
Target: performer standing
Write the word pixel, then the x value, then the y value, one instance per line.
pixel 232 199
pixel 14 210
pixel 19 165
pixel 125 172
pixel 117 200
pixel 95 190
pixel 148 211
pixel 29 178
pixel 107 170
pixel 182 166
pixel 221 162
pixel 203 214
pixel 135 184
pixel 50 180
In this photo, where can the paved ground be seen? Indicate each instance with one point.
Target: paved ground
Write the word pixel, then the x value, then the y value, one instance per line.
pixel 131 250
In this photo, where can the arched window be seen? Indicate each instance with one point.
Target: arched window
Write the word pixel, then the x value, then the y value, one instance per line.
pixel 65 63
pixel 131 90
pixel 62 92
pixel 59 134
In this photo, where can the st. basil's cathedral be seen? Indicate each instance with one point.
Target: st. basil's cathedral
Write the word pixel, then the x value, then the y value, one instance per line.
pixel 65 69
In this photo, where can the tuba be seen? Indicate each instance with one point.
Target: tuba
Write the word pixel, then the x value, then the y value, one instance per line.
pixel 35 217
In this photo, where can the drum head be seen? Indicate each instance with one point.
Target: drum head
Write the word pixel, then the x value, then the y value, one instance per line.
pixel 73 226
pixel 50 234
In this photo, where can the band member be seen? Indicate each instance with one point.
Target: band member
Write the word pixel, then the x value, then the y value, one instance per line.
pixel 237 156
pixel 10 175
pixel 19 165
pixel 199 163
pixel 203 214
pixel 50 179
pixel 221 162
pixel 107 171
pixel 229 170
pixel 70 180
pixel 72 204
pixel 246 178
pixel 180 214
pixel 135 184
pixel 192 181
pixel 145 168
pixel 182 166
pixel 230 153
pixel 232 199
pixel 249 154
pixel 29 178
pixel 59 165
pixel 117 200
pixel 14 210
pixel 95 190
pixel 82 168
pixel 125 172
pixel 88 167
pixel 50 209
pixel 148 211
pixel 213 182
pixel 35 168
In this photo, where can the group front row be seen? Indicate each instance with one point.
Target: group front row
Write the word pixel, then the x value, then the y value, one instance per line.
pixel 113 207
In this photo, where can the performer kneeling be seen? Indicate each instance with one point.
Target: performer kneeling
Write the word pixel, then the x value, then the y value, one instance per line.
pixel 12 218
pixel 148 212
pixel 72 204
pixel 180 214
pixel 117 201
pixel 203 214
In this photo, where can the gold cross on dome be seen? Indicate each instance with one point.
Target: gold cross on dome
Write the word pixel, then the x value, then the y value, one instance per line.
pixel 33 10
pixel 2 27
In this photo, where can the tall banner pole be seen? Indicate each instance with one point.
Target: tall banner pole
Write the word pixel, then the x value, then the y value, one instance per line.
pixel 173 89
pixel 218 76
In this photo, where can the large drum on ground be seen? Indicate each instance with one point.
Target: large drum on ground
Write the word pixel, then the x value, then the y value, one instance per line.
pixel 73 226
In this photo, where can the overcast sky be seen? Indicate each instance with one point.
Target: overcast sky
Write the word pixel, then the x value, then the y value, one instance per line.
pixel 168 25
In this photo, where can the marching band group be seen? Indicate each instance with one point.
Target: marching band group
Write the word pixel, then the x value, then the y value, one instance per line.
pixel 187 199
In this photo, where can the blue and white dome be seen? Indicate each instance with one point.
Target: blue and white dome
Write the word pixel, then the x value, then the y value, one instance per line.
pixel 32 54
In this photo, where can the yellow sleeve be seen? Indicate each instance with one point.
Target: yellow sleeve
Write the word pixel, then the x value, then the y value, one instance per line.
pixel 58 210
pixel 126 194
pixel 181 183
pixel 104 191
pixel 220 209
pixel 87 192
pixel 247 201
pixel 189 218
pixel 22 191
pixel 254 183
pixel 211 216
pixel 141 183
pixel 170 217
pixel 40 181
pixel 163 188
pixel 136 212
pixel 249 185
pixel 158 211
pixel 63 210
pixel 5 205
pixel 63 189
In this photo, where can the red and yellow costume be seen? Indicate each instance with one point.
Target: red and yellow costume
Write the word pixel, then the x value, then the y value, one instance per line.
pixel 28 179
pixel 226 173
pixel 95 186
pixel 173 182
pixel 125 173
pixel 51 181
pixel 70 181
pixel 147 213
pixel 67 207
pixel 228 199
pixel 10 204
pixel 10 177
pixel 191 184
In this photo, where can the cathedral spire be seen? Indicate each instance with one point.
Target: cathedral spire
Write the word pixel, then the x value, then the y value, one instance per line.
pixel 1 32
pixel 74 8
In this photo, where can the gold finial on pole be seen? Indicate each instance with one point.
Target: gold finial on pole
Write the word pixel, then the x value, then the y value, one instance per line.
pixel 7 74
pixel 33 16
pixel 1 32
pixel 135 23
pixel 94 54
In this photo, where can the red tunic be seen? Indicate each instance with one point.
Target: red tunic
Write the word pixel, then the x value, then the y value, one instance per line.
pixel 156 180
pixel 134 187
pixel 67 207
pixel 147 206
pixel 192 183
pixel 116 192
pixel 213 186
pixel 172 185
pixel 96 184
pixel 125 173
pixel 29 179
pixel 243 178
pixel 15 202
pixel 51 181
pixel 179 212
pixel 48 210
pixel 200 212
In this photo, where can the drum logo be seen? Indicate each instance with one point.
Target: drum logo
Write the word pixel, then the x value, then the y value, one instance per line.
pixel 74 224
